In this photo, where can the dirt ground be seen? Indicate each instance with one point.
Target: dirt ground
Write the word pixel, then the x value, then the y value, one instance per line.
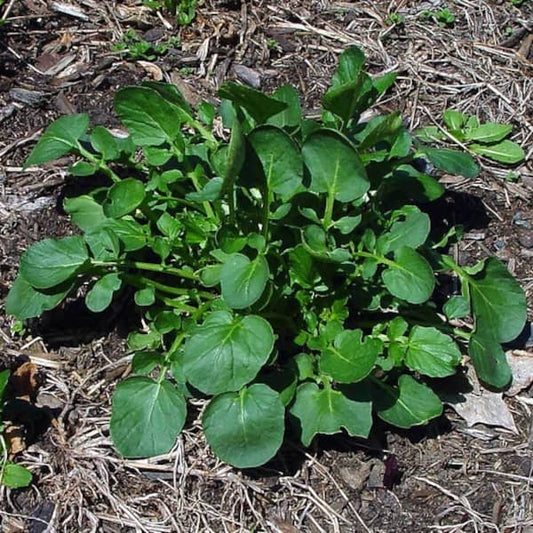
pixel 59 57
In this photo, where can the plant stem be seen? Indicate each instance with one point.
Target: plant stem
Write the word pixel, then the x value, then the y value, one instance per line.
pixel 150 267
pixel 99 163
pixel 328 213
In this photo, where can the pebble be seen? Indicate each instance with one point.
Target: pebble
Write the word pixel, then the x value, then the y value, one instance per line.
pixel 525 238
pixel 519 220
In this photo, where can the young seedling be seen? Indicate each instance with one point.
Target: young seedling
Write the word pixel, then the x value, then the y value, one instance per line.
pixel 183 10
pixel 488 139
pixel 11 475
pixel 286 272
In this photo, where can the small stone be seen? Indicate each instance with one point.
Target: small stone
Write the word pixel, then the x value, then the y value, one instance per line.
pixel 355 475
pixel 519 220
pixel 525 238
pixel 375 479
pixel 247 75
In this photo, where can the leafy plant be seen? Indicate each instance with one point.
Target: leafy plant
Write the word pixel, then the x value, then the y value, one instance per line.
pixel 394 19
pixel 138 48
pixel 286 272
pixel 488 139
pixel 183 10
pixel 444 17
pixel 11 475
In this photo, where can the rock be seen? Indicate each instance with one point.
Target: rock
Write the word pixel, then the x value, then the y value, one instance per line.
pixel 525 238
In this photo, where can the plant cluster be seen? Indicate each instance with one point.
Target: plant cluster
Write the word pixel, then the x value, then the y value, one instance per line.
pixel 11 475
pixel 183 10
pixel 289 272
pixel 488 139
pixel 138 48
pixel 443 17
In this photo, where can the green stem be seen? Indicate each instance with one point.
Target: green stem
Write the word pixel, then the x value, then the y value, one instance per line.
pixel 150 267
pixel 99 163
pixel 267 197
pixel 328 212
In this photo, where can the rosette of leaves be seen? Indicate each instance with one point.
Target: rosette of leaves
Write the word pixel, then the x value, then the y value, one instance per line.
pixel 286 271
pixel 488 139
pixel 12 475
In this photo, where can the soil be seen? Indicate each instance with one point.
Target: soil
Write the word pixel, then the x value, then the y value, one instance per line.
pixel 58 58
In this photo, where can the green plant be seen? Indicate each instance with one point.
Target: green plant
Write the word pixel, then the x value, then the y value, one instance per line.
pixel 444 17
pixel 287 272
pixel 183 10
pixel 138 48
pixel 393 19
pixel 488 139
pixel 11 475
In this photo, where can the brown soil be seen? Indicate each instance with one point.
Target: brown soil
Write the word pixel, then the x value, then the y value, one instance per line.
pixel 444 477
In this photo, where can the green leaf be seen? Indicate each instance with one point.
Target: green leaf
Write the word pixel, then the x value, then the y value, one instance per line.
pixel 280 158
pixel 431 352
pixel 50 262
pixel 412 231
pixel 314 241
pixel 347 224
pixel 456 307
pixel 123 198
pixel 258 105
pixel 144 297
pixel 233 158
pixel 172 95
pixel 343 100
pixel 245 428
pixel 351 63
pixel 58 139
pixel 452 161
pixel 226 353
pixel 334 165
pixel 150 119
pixel 429 134
pixel 291 116
pixel 489 360
pixel 85 212
pixel 129 231
pixel 82 168
pixel 498 302
pixel 243 281
pixel 350 359
pixel 105 143
pixel 489 132
pixel 378 129
pixel 147 416
pixel 4 378
pixel 504 152
pixel 23 301
pixel 409 277
pixel 101 293
pixel 454 120
pixel 408 185
pixel 210 192
pixel 411 404
pixel 385 82
pixel 302 269
pixel 15 476
pixel 327 411
pixel 144 362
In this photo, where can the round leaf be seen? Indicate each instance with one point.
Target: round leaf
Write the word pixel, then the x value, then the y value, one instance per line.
pixel 409 277
pixel 334 165
pixel 243 281
pixel 489 361
pixel 147 417
pixel 431 352
pixel 101 293
pixel 123 198
pixel 15 476
pixel 52 261
pixel 226 353
pixel 245 428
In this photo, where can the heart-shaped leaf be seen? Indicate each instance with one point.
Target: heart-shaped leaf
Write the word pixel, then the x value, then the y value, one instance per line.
pixel 147 416
pixel 242 280
pixel 226 353
pixel 327 411
pixel 411 404
pixel 245 428
pixel 350 360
